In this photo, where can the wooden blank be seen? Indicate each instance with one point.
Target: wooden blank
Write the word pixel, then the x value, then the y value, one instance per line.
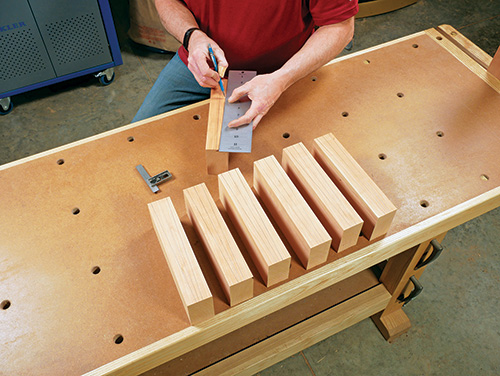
pixel 332 208
pixel 231 268
pixel 216 161
pixel 189 280
pixel 361 191
pixel 301 227
pixel 261 239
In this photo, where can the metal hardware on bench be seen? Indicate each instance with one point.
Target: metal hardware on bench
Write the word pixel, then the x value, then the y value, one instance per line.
pixel 417 289
pixel 153 181
pixel 437 248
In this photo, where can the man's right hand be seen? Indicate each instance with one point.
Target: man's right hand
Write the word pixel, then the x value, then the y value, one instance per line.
pixel 199 59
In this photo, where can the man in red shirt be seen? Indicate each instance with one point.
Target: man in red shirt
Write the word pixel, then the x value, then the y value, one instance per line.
pixel 275 38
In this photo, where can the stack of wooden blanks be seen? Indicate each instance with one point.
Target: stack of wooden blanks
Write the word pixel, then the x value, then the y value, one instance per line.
pixel 230 267
pixel 343 201
pixel 365 196
pixel 216 161
pixel 186 272
pixel 328 203
pixel 268 252
pixel 305 233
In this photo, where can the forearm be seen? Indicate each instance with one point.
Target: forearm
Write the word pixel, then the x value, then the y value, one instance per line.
pixel 175 17
pixel 324 45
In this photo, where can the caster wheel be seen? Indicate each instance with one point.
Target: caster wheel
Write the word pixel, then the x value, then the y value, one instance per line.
pixel 105 81
pixel 9 106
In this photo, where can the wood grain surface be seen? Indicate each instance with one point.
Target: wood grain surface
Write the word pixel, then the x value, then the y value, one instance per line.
pixel 231 268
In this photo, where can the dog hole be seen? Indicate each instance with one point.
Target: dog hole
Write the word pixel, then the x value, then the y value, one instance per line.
pixel 424 203
pixel 314 78
pixel 118 339
pixel 382 156
pixel 367 61
pixel 400 95
pixel 60 162
pixel 75 211
pixel 5 304
pixel 439 134
pixel 286 135
pixel 414 45
pixel 96 270
pixel 345 114
pixel 196 117
pixel 439 38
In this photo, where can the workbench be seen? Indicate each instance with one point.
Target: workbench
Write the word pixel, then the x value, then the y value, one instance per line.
pixel 85 287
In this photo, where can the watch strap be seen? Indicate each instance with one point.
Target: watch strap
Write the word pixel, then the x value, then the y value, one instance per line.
pixel 187 36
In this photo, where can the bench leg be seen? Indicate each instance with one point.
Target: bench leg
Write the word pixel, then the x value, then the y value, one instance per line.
pixel 393 322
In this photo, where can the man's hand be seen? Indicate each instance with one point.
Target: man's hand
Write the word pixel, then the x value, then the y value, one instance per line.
pixel 199 58
pixel 263 90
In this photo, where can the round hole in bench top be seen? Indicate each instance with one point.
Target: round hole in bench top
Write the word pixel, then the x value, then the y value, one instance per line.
pixel 96 270
pixel 400 95
pixel 424 203
pixel 414 45
pixel 60 161
pixel 130 139
pixel 382 156
pixel 439 134
pixel 484 177
pixel 345 114
pixel 118 339
pixel 196 117
pixel 5 304
pixel 286 135
pixel 75 211
pixel 314 78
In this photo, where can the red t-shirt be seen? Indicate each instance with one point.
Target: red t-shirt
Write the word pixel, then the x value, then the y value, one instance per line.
pixel 262 35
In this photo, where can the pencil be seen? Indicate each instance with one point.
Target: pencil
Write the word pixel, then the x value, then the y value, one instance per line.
pixel 211 52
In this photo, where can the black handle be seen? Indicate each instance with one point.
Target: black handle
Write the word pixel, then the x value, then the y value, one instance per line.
pixel 417 289
pixel 436 251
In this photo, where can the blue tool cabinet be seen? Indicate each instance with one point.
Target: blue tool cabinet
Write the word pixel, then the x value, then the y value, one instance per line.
pixel 43 42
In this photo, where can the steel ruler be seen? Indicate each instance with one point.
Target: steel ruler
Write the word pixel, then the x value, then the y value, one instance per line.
pixel 236 140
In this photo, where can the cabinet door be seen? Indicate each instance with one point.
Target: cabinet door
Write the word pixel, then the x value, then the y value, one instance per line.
pixel 23 57
pixel 73 32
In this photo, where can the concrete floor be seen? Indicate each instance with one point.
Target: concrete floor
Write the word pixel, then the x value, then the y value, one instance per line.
pixel 456 324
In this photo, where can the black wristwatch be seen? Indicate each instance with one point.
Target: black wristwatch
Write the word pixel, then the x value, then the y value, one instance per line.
pixel 187 36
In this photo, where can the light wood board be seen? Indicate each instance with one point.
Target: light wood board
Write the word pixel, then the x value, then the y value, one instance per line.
pixel 216 161
pixel 261 239
pixel 364 195
pixel 231 268
pixel 189 280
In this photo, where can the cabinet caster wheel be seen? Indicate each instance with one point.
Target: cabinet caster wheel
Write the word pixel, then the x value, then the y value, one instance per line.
pixel 6 106
pixel 105 81
pixel 106 77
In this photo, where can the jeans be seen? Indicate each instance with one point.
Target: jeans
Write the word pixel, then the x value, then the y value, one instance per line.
pixel 175 87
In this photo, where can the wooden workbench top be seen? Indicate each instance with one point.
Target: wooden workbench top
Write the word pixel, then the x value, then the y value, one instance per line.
pixel 414 114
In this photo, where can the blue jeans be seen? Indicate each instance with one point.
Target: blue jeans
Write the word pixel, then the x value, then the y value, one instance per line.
pixel 175 87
